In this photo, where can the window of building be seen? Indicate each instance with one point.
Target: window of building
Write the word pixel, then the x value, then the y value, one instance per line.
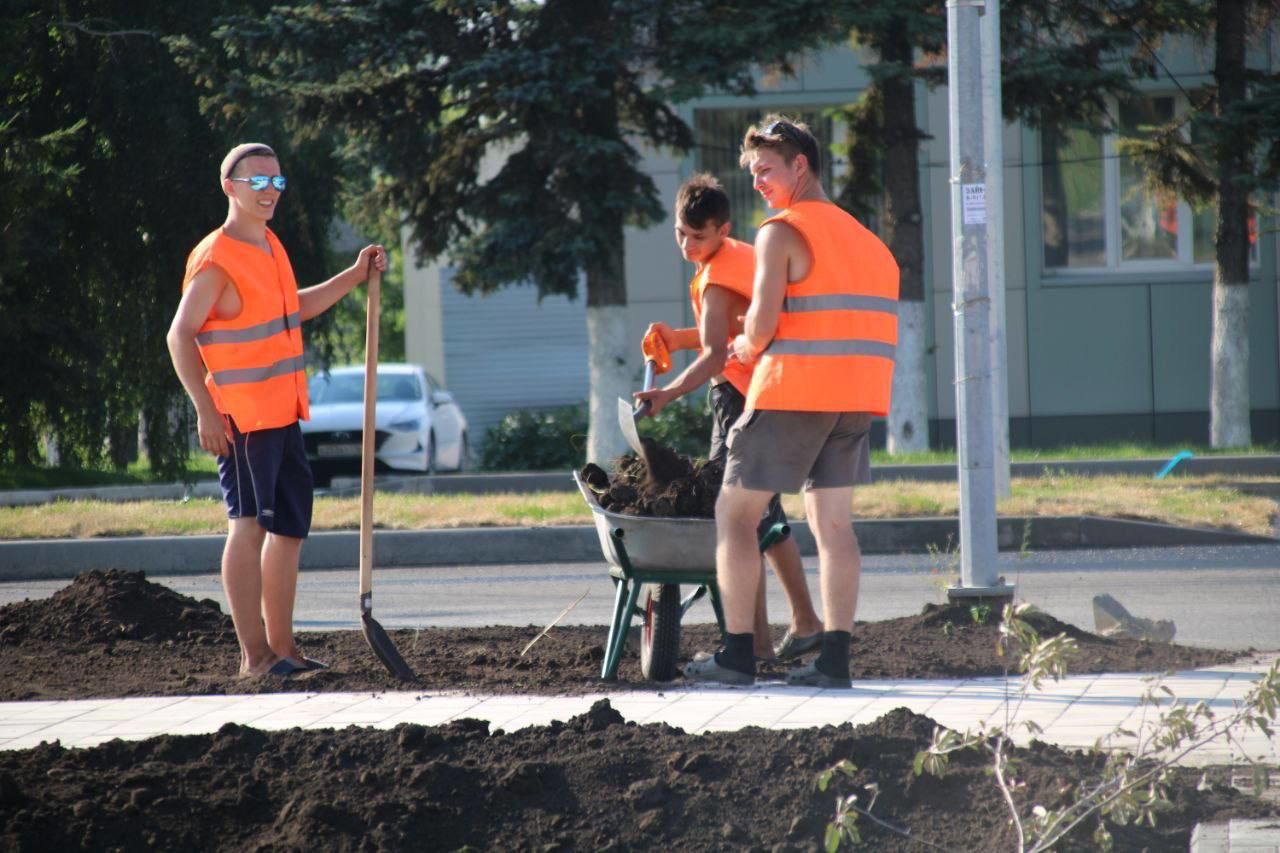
pixel 718 135
pixel 1097 213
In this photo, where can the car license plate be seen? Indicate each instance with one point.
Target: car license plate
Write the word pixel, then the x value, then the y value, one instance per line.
pixel 338 450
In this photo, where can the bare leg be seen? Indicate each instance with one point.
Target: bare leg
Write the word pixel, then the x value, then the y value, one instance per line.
pixel 763 634
pixel 784 556
pixel 738 568
pixel 242 581
pixel 839 559
pixel 279 589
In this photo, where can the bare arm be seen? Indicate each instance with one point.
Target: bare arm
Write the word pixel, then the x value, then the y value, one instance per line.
pixel 318 299
pixel 720 310
pixel 773 246
pixel 196 305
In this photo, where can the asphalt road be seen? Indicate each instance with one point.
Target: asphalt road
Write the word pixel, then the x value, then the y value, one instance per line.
pixel 1225 597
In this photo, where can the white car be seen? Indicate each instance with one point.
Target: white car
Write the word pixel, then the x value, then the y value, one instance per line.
pixel 419 426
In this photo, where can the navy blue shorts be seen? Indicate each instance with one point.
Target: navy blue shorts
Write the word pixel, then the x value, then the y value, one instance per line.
pixel 267 476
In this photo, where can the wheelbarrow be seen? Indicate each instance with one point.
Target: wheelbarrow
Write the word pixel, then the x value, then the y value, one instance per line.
pixel 654 557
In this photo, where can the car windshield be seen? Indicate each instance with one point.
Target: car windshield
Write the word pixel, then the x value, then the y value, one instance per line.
pixel 349 387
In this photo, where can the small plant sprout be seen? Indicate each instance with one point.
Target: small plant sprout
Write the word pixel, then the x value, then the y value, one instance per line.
pixel 1131 786
pixel 980 613
pixel 1024 549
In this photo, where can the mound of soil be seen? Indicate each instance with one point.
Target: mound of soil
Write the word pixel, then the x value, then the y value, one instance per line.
pixel 681 488
pixel 103 606
pixel 593 782
pixel 71 645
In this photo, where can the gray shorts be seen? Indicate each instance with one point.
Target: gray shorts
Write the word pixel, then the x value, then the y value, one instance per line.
pixel 727 404
pixel 776 451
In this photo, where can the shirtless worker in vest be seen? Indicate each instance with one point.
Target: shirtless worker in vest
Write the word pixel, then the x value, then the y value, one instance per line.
pixel 720 292
pixel 236 344
pixel 821 332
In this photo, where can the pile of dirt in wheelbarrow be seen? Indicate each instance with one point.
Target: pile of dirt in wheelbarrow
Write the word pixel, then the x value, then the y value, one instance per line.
pixel 65 647
pixel 687 489
pixel 592 782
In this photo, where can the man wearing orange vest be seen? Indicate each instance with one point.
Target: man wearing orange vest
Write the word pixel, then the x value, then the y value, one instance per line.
pixel 720 293
pixel 821 332
pixel 236 344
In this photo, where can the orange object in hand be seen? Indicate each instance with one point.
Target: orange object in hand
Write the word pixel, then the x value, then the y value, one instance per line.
pixel 655 350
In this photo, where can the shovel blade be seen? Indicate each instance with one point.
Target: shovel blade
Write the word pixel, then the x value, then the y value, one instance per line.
pixel 627 421
pixel 386 650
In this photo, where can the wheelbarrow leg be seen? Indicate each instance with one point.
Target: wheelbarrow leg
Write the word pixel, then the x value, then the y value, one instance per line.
pixel 609 669
pixel 714 593
pixel 624 609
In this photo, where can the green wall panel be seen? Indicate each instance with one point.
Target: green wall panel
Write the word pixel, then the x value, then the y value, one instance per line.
pixel 1089 350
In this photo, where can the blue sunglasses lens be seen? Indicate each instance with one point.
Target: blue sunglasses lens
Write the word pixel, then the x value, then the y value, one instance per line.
pixel 259 182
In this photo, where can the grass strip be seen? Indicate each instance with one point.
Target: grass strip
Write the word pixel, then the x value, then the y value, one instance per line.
pixel 1201 502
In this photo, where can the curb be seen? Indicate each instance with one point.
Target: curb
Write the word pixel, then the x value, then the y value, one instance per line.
pixel 24 560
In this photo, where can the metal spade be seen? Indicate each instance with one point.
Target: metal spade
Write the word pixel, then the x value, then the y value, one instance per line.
pixel 629 414
pixel 373 632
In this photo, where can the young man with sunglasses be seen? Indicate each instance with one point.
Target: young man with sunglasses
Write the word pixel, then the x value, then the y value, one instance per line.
pixel 236 344
pixel 820 333
pixel 720 292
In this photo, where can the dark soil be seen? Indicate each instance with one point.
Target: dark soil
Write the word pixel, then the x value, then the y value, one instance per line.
pixel 594 782
pixel 117 634
pixel 677 487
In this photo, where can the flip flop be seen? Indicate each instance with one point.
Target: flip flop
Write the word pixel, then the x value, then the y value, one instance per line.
pixel 284 668
pixel 311 664
pixel 793 646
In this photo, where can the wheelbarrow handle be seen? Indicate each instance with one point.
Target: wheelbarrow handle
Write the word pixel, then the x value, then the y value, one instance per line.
pixel 650 371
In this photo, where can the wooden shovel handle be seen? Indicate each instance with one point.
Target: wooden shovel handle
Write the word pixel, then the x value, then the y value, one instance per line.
pixel 367 435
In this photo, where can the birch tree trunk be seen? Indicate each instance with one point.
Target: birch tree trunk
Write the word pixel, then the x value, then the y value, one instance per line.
pixel 908 423
pixel 1229 390
pixel 611 367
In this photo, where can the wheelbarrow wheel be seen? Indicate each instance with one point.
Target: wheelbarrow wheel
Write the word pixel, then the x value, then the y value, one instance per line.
pixel 660 633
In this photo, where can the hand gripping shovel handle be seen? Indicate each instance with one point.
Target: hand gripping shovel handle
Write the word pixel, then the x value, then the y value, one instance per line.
pixel 373 632
pixel 650 371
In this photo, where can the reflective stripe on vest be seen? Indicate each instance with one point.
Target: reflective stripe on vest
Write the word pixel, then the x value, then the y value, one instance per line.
pixel 256 371
pixel 799 347
pixel 252 333
pixel 242 375
pixel 834 346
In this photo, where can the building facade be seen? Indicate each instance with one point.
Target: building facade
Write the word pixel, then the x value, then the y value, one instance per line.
pixel 1108 288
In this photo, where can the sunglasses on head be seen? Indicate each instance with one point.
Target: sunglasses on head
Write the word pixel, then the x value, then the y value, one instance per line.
pixel 780 128
pixel 258 183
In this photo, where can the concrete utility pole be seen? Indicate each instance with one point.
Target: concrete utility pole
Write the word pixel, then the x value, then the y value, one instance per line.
pixel 993 141
pixel 972 307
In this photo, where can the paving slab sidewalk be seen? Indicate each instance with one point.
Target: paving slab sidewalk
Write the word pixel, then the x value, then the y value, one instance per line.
pixel 1075 712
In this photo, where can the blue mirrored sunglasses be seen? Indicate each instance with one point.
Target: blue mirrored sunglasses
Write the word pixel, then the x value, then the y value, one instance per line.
pixel 258 183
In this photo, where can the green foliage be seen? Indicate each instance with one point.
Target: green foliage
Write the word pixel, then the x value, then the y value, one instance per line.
pixel 107 179
pixel 1130 786
pixel 1234 120
pixel 536 441
pixel 550 439
pixel 420 93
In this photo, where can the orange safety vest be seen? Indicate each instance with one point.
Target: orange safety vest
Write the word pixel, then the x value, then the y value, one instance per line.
pixel 834 346
pixel 733 266
pixel 254 360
